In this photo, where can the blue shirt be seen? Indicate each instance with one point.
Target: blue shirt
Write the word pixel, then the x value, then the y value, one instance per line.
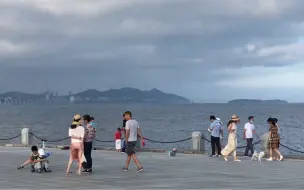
pixel 215 126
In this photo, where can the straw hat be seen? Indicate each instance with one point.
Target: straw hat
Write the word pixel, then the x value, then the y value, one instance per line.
pixel 76 123
pixel 234 118
pixel 77 117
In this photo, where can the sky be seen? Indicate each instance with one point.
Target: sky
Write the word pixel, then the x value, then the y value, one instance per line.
pixel 204 50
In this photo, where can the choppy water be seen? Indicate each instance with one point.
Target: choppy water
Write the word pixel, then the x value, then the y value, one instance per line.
pixel 158 122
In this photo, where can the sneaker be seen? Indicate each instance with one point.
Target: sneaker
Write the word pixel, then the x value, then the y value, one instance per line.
pixel 212 156
pixel 39 170
pixel 20 167
pixel 47 170
pixel 217 155
pixel 84 171
pixel 124 169
pixel 89 170
pixel 140 169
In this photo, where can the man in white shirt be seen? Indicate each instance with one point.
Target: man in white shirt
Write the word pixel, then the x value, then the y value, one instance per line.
pixel 248 135
pixel 216 131
pixel 132 131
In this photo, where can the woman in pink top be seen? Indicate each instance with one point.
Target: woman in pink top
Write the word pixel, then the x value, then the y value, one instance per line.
pixel 76 133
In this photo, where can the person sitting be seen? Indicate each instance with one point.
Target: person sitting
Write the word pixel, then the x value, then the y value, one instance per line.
pixel 36 161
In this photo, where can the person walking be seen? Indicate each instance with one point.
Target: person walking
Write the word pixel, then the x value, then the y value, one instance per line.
pixel 231 146
pixel 132 131
pixel 274 140
pixel 216 131
pixel 89 136
pixel 248 135
pixel 76 133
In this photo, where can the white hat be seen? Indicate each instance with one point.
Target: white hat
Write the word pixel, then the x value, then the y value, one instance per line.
pixel 218 119
pixel 41 152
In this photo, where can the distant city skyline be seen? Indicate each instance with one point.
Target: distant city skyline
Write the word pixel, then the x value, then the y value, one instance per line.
pixel 206 51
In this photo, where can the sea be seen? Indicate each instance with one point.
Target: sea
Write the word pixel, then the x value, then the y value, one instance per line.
pixel 158 122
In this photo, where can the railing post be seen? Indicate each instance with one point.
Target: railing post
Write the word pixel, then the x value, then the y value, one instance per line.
pixel 43 144
pixel 198 143
pixel 25 136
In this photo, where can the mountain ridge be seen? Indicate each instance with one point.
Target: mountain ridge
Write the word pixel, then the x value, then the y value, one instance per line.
pixel 126 94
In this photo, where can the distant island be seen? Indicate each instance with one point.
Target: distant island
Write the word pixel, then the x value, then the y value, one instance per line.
pixel 254 101
pixel 128 95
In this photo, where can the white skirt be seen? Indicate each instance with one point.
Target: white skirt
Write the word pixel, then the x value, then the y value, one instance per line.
pixel 118 144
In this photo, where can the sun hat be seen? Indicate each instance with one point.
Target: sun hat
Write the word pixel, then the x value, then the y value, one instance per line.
pixel 234 118
pixel 77 117
pixel 76 123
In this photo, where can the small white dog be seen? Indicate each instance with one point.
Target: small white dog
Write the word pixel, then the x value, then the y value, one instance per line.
pixel 258 156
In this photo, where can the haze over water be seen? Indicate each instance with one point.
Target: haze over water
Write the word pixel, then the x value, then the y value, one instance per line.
pixel 158 122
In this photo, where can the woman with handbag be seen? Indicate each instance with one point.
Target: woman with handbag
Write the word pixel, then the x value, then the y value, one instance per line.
pixel 274 140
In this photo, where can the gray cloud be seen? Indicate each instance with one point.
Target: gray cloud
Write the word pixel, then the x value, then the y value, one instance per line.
pixel 181 46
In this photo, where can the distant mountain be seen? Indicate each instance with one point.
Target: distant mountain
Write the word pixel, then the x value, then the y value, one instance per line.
pixel 130 95
pixel 254 101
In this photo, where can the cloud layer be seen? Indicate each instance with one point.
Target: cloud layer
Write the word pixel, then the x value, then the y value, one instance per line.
pixel 204 50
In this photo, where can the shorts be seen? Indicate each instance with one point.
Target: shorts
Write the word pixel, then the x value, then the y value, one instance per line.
pixel 130 149
pixel 118 144
pixel 75 149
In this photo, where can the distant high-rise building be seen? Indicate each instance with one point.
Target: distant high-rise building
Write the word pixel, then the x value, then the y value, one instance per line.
pixel 47 97
pixel 72 99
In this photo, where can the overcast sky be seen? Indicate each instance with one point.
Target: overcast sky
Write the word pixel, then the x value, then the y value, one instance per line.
pixel 205 50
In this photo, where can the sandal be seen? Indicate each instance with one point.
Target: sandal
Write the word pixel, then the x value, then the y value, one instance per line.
pixel 67 173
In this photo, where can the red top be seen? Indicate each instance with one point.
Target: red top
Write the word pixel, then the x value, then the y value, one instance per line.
pixel 117 135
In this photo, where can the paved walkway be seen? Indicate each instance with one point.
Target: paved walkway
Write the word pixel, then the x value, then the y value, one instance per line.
pixel 160 172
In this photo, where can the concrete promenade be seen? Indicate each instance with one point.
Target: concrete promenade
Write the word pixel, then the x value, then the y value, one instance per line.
pixel 160 172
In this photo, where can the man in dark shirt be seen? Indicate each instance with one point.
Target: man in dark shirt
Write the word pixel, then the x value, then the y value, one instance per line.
pixel 89 136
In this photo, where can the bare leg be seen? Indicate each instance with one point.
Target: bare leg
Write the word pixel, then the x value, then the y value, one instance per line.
pixel 270 155
pixel 26 163
pixel 79 162
pixel 69 164
pixel 136 161
pixel 235 157
pixel 128 161
pixel 279 153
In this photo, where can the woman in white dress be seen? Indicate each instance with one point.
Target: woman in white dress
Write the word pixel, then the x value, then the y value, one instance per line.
pixel 232 139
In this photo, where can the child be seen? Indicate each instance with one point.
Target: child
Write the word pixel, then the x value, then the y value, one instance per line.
pixel 118 140
pixel 36 160
pixel 93 123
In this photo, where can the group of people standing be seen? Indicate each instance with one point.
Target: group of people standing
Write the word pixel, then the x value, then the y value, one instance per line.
pixel 82 133
pixel 249 130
